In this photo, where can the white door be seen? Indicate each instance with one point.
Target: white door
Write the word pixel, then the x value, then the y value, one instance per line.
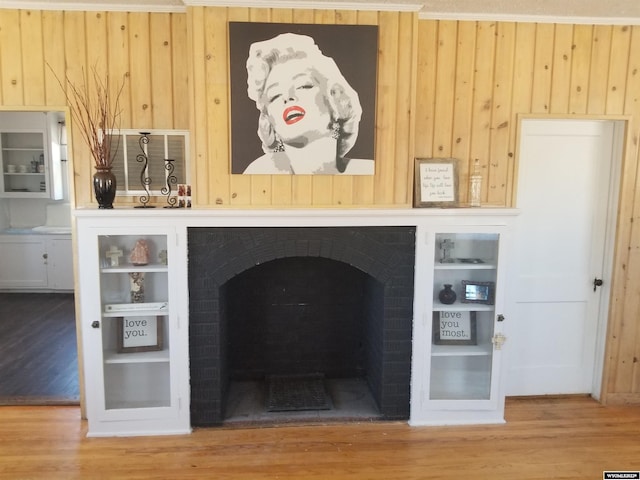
pixel 562 239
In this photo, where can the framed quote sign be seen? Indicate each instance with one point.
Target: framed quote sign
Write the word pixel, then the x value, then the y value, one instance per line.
pixel 139 334
pixel 454 328
pixel 436 182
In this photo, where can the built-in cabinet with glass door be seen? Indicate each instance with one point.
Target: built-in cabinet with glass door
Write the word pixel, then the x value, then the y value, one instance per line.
pixel 459 345
pixel 134 334
pixel 30 155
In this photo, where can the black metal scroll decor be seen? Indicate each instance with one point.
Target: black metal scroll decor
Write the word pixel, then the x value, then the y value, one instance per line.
pixel 145 179
pixel 171 180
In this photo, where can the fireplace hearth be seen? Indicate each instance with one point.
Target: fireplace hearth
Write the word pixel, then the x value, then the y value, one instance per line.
pixel 284 301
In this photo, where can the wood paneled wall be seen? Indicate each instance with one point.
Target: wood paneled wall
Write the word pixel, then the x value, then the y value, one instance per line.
pixel 392 183
pixel 145 50
pixel 476 79
pixel 445 89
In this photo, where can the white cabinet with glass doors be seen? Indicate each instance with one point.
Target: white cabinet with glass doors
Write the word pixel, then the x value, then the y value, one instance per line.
pixel 134 332
pixel 460 342
pixel 30 155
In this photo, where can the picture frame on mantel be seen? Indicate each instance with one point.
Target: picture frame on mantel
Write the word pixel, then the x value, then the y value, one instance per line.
pixel 436 183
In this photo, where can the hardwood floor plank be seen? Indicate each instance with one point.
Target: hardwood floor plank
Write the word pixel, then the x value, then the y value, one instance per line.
pixel 544 438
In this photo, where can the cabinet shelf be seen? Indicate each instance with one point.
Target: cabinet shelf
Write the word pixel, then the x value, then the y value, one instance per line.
pixel 461 350
pixel 465 266
pixel 136 309
pixel 462 307
pixel 129 268
pixel 22 149
pixel 159 356
pixel 22 174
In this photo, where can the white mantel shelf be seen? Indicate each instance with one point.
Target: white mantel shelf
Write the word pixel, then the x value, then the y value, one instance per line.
pixel 302 217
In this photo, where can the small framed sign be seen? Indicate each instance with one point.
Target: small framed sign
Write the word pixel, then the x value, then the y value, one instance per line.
pixel 454 328
pixel 139 334
pixel 436 182
pixel 478 292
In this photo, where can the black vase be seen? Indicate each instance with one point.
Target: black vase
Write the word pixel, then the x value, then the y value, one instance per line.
pixel 447 295
pixel 104 187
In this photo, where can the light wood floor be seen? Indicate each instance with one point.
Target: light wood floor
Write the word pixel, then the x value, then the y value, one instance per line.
pixel 567 438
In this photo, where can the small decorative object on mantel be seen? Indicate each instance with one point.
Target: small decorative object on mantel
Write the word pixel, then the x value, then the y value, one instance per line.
pixel 447 295
pixel 171 180
pixel 140 253
pixel 184 195
pixel 436 182
pixel 97 113
pixel 475 185
pixel 145 178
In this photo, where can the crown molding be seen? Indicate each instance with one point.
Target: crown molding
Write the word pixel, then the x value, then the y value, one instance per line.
pixel 524 18
pixel 181 5
pixel 380 6
pixel 96 6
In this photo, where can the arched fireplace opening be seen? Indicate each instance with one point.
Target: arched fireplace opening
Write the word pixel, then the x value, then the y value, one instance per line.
pixel 295 319
pixel 328 302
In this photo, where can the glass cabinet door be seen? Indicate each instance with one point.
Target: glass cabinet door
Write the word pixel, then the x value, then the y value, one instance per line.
pixel 23 164
pixel 464 288
pixel 135 326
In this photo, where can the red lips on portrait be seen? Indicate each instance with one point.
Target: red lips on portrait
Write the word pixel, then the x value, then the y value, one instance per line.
pixel 293 114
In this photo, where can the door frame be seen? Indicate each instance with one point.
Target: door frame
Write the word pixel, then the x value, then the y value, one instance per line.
pixel 619 148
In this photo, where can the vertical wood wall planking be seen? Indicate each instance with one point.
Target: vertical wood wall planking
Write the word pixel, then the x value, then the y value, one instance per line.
pixel 11 59
pixel 625 290
pixel 32 49
pixel 542 68
pixel 405 118
pixel 76 46
pixel 523 79
pixel 160 71
pixel 483 101
pixel 387 107
pixel 601 51
pixel 180 72
pixel 53 56
pixel 618 63
pixel 446 79
pixel 561 69
pixel 580 63
pixel 217 103
pixel 502 123
pixel 426 88
pixel 140 77
pixel 199 154
pixel 364 185
pixel 463 106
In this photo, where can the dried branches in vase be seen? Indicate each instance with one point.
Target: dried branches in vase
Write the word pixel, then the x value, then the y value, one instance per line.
pixel 96 112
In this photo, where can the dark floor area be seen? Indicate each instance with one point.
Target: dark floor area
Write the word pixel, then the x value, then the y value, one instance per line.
pixel 38 359
pixel 351 400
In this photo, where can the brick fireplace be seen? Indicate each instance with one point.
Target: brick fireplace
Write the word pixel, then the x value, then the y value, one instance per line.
pixel 295 300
